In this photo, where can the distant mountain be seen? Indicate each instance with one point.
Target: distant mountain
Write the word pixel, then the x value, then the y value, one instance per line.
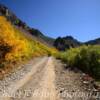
pixel 93 42
pixel 66 43
pixel 24 27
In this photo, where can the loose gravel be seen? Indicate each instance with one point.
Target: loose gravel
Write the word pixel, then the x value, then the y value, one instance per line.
pixel 17 74
pixel 70 85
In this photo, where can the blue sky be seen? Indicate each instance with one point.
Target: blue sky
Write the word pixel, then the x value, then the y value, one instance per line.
pixel 79 18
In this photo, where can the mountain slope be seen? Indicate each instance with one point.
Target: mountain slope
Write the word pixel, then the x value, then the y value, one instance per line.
pixel 66 43
pixel 61 43
pixel 42 37
pixel 93 42
pixel 22 25
pixel 16 47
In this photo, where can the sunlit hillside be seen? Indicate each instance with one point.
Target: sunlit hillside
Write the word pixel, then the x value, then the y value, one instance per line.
pixel 16 47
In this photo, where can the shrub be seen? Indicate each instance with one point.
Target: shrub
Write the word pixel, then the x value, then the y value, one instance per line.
pixel 15 46
pixel 86 58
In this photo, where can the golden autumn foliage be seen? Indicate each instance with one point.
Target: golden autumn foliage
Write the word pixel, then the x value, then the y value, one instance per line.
pixel 20 47
pixel 16 47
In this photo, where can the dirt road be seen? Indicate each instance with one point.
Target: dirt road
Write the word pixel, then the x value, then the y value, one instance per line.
pixel 37 84
pixel 44 79
pixel 44 89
